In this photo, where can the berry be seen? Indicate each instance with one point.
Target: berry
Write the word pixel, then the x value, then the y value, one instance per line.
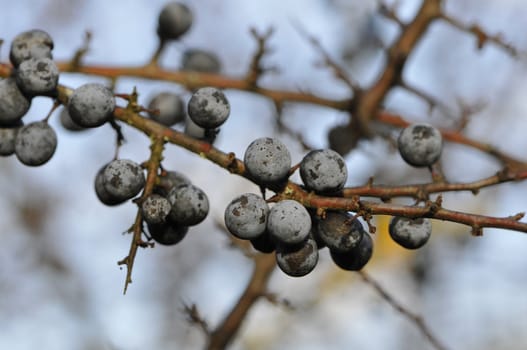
pixel 208 107
pixel 174 20
pixel 298 261
pixel 357 258
pixel 288 222
pixel 37 76
pixel 91 105
pixel 267 160
pixel 7 139
pixel 102 193
pixel 197 132
pixel 200 61
pixel 67 123
pixel 170 107
pixel 323 171
pixel 263 243
pixel 340 231
pixel 155 209
pixel 31 44
pixel 410 233
pixel 420 145
pixel 123 179
pixel 13 104
pixel 190 205
pixel 169 180
pixel 246 216
pixel 35 143
pixel 342 139
pixel 167 233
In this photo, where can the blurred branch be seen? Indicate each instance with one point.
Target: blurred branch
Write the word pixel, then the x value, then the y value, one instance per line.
pixel 256 69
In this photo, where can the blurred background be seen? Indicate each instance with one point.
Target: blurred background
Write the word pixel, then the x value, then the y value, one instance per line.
pixel 61 287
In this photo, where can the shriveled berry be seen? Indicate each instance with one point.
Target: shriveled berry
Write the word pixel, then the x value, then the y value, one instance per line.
pixel 155 209
pixel 91 105
pixel 420 145
pixel 174 20
pixel 323 171
pixel 37 76
pixel 35 143
pixel 167 233
pixel 267 160
pixel 197 60
pixel 246 216
pixel 298 261
pixel 31 44
pixel 170 108
pixel 288 222
pixel 190 205
pixel 410 233
pixel 357 258
pixel 101 192
pixel 340 231
pixel 208 107
pixel 123 179
pixel 7 139
pixel 13 103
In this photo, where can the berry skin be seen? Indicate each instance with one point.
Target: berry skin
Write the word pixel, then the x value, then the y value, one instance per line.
pixel 323 171
pixel 208 107
pixel 123 179
pixel 167 233
pixel 342 140
pixel 190 205
pixel 420 145
pixel 267 160
pixel 91 105
pixel 298 261
pixel 101 192
pixel 13 104
pixel 197 60
pixel 7 139
pixel 170 180
pixel 67 123
pixel 288 222
pixel 246 216
pixel 155 209
pixel 35 143
pixel 174 20
pixel 37 76
pixel 31 44
pixel 340 231
pixel 357 258
pixel 410 233
pixel 170 106
pixel 263 243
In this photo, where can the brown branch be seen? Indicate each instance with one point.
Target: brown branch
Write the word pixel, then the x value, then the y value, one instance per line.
pixel 256 69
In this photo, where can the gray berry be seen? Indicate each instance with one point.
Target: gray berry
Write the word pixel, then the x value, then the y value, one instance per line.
pixel 102 193
pixel 190 205
pixel 91 105
pixel 323 171
pixel 67 123
pixel 288 222
pixel 298 261
pixel 410 233
pixel 31 44
pixel 357 258
pixel 35 143
pixel 170 107
pixel 37 76
pixel 197 60
pixel 169 180
pixel 420 145
pixel 123 179
pixel 174 20
pixel 340 231
pixel 155 209
pixel 208 107
pixel 246 216
pixel 167 233
pixel 7 139
pixel 267 160
pixel 13 103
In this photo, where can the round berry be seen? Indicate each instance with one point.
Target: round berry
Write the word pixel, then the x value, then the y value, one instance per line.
pixel 194 130
pixel 7 139
pixel 91 105
pixel 420 145
pixel 323 171
pixel 410 233
pixel 357 258
pixel 288 222
pixel 190 205
pixel 35 143
pixel 246 216
pixel 342 139
pixel 340 231
pixel 263 243
pixel 37 76
pixel 123 179
pixel 155 209
pixel 67 123
pixel 197 60
pixel 170 109
pixel 31 44
pixel 13 103
pixel 101 192
pixel 208 107
pixel 169 180
pixel 167 233
pixel 298 261
pixel 267 160
pixel 174 20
